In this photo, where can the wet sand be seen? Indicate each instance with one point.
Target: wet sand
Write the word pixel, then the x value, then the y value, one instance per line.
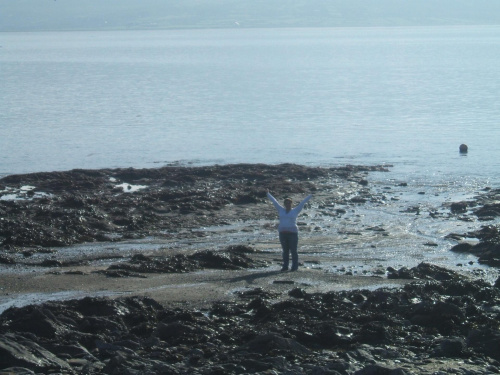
pixel 199 288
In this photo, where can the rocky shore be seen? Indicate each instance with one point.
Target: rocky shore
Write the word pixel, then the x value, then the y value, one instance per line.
pixel 107 205
pixel 226 309
pixel 443 326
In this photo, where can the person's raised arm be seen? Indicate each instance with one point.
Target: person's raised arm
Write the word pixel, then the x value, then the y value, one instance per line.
pixel 273 200
pixel 304 201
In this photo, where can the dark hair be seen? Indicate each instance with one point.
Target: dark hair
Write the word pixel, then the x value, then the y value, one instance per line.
pixel 288 200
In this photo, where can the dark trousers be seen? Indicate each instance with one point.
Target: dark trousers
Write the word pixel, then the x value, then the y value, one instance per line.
pixel 289 242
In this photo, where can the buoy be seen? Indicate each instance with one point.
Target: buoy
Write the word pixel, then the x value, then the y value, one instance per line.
pixel 463 148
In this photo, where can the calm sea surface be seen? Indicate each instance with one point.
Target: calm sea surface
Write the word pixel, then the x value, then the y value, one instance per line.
pixel 402 96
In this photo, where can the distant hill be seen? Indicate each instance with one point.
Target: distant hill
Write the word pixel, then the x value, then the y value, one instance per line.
pixel 37 15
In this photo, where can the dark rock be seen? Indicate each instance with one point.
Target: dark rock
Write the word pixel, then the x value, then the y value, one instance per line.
pixel 141 264
pixel 440 315
pixel 51 263
pixel 255 366
pixel 462 248
pixel 221 260
pixel 328 335
pixel 290 282
pixel 174 331
pixel 297 293
pixel 267 343
pixel 241 249
pixel 232 258
pixel 452 347
pixel 358 200
pixel 373 333
pixel 488 249
pixel 72 351
pixel 485 341
pixel 488 233
pixel 455 236
pixel 363 182
pixel 423 271
pixel 7 260
pixel 458 207
pixel 39 321
pixel 245 199
pixel 18 351
pixel 376 229
pixel 488 210
pixel 90 306
pixel 359 329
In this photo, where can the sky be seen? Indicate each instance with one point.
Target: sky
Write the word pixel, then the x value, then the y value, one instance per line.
pixel 53 15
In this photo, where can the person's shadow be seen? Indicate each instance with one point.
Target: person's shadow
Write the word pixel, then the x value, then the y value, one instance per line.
pixel 250 278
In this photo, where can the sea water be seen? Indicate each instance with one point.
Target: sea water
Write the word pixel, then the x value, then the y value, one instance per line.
pixel 405 96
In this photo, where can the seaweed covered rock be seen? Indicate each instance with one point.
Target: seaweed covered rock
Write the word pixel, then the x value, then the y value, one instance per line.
pixel 226 260
pixel 425 271
pixel 112 204
pixel 231 258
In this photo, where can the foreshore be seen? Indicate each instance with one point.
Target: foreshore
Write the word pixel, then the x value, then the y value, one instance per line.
pixel 186 252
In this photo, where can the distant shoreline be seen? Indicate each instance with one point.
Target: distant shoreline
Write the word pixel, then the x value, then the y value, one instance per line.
pixel 227 27
pixel 26 15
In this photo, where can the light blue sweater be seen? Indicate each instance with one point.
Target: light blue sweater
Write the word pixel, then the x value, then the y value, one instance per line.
pixel 288 220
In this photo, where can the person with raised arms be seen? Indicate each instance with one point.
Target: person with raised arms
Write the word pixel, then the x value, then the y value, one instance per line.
pixel 288 230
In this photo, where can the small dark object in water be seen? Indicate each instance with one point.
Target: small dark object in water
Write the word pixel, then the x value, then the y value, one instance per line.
pixel 463 148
